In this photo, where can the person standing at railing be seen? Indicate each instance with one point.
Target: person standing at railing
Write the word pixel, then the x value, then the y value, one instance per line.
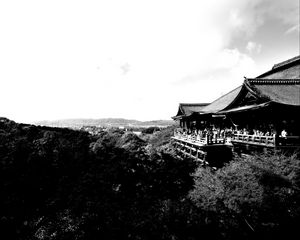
pixel 214 133
pixel 283 133
pixel 210 135
pixel 222 133
pixel 201 134
pixel 204 132
pixel 198 137
pixel 245 131
pixel 283 136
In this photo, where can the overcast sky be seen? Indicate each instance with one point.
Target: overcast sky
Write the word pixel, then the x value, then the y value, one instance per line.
pixel 135 59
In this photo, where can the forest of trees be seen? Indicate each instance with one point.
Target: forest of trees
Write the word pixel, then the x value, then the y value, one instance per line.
pixel 58 183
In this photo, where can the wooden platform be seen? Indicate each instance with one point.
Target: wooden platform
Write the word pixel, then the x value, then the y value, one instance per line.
pixel 213 155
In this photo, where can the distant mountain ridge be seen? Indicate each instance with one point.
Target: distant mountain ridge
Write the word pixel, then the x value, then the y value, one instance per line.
pixel 105 122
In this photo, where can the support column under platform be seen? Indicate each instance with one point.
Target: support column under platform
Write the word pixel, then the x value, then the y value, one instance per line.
pixel 214 155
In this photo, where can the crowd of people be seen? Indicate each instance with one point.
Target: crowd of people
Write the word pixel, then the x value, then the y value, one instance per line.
pixel 256 132
pixel 225 133
pixel 202 133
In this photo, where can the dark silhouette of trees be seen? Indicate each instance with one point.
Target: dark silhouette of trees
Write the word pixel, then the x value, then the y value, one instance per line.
pixel 252 198
pixel 60 183
pixel 65 184
pixel 150 130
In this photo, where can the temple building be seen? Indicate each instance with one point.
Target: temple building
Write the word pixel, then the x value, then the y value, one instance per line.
pixel 261 113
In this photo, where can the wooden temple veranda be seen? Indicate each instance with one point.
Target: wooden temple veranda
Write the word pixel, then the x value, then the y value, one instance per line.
pixel 261 114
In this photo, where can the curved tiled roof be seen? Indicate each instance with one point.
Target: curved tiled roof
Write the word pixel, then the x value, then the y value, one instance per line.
pixel 189 108
pixel 222 102
pixel 282 85
pixel 284 91
pixel 279 85
pixel 186 109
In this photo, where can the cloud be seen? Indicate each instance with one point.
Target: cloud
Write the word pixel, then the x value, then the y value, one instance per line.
pixel 253 47
pixel 128 58
pixel 287 11
pixel 243 18
pixel 227 68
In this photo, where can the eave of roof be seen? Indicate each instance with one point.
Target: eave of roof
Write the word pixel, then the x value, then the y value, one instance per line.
pixel 283 91
pixel 177 117
pixel 193 104
pixel 245 108
pixel 187 109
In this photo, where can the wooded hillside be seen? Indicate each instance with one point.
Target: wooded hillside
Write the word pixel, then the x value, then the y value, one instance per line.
pixel 64 184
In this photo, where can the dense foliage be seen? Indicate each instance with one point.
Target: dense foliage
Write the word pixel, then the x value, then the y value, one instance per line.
pixel 254 197
pixel 64 184
pixel 150 130
pixel 160 139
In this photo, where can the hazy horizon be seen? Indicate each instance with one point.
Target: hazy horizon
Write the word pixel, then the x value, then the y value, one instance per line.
pixel 106 118
pixel 135 59
pixel 86 119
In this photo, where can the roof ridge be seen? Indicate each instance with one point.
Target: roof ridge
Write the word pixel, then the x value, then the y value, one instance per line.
pixel 277 65
pixel 273 81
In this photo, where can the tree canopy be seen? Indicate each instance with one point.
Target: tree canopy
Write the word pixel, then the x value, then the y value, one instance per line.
pixel 60 183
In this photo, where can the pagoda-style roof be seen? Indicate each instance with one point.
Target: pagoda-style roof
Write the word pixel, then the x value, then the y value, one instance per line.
pixel 187 109
pixel 222 102
pixel 280 85
pixel 262 91
pixel 283 91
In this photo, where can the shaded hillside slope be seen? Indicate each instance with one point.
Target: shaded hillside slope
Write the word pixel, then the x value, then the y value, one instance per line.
pixel 64 184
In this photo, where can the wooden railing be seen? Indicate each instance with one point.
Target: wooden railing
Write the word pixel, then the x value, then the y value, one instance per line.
pixel 207 140
pixel 269 141
pixel 254 139
pixel 185 146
